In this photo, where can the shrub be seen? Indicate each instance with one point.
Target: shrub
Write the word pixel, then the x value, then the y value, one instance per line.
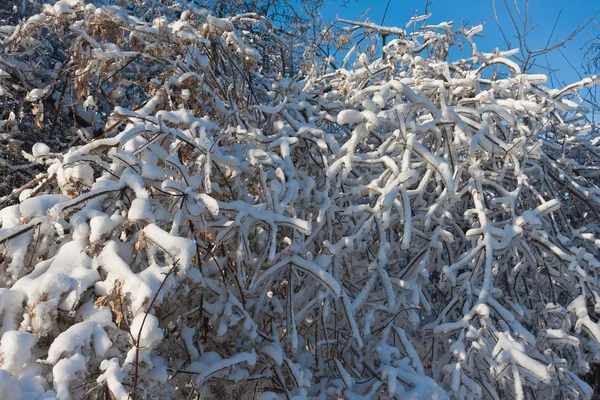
pixel 404 226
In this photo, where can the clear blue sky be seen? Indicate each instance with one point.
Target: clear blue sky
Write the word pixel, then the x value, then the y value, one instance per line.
pixel 474 12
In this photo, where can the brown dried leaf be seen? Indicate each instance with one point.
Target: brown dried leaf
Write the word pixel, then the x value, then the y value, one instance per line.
pixel 114 300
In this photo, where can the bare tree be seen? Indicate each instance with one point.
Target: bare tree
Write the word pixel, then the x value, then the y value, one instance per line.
pixel 592 54
pixel 520 28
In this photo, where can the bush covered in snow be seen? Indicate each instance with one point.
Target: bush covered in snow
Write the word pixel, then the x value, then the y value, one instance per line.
pixel 403 226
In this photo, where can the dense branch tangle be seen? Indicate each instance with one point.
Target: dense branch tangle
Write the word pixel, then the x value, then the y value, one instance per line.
pixel 409 225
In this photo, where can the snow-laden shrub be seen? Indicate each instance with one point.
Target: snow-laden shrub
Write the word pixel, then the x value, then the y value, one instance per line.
pixel 407 227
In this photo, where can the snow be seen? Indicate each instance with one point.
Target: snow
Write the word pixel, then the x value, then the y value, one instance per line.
pixel 64 372
pixel 183 248
pixel 113 377
pixel 11 307
pixel 15 348
pixel 34 95
pixel 140 210
pixel 275 352
pixel 307 266
pixel 205 370
pixel 57 283
pixel 118 270
pixel 403 226
pixel 78 337
pixel 346 117
pixel 101 226
pixel 82 174
pixel 145 329
pixel 188 337
pixel 40 150
pixel 38 206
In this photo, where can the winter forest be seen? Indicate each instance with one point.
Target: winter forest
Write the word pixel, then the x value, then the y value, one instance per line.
pixel 242 200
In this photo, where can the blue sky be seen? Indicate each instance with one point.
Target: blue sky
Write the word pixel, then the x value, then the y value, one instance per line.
pixel 474 12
